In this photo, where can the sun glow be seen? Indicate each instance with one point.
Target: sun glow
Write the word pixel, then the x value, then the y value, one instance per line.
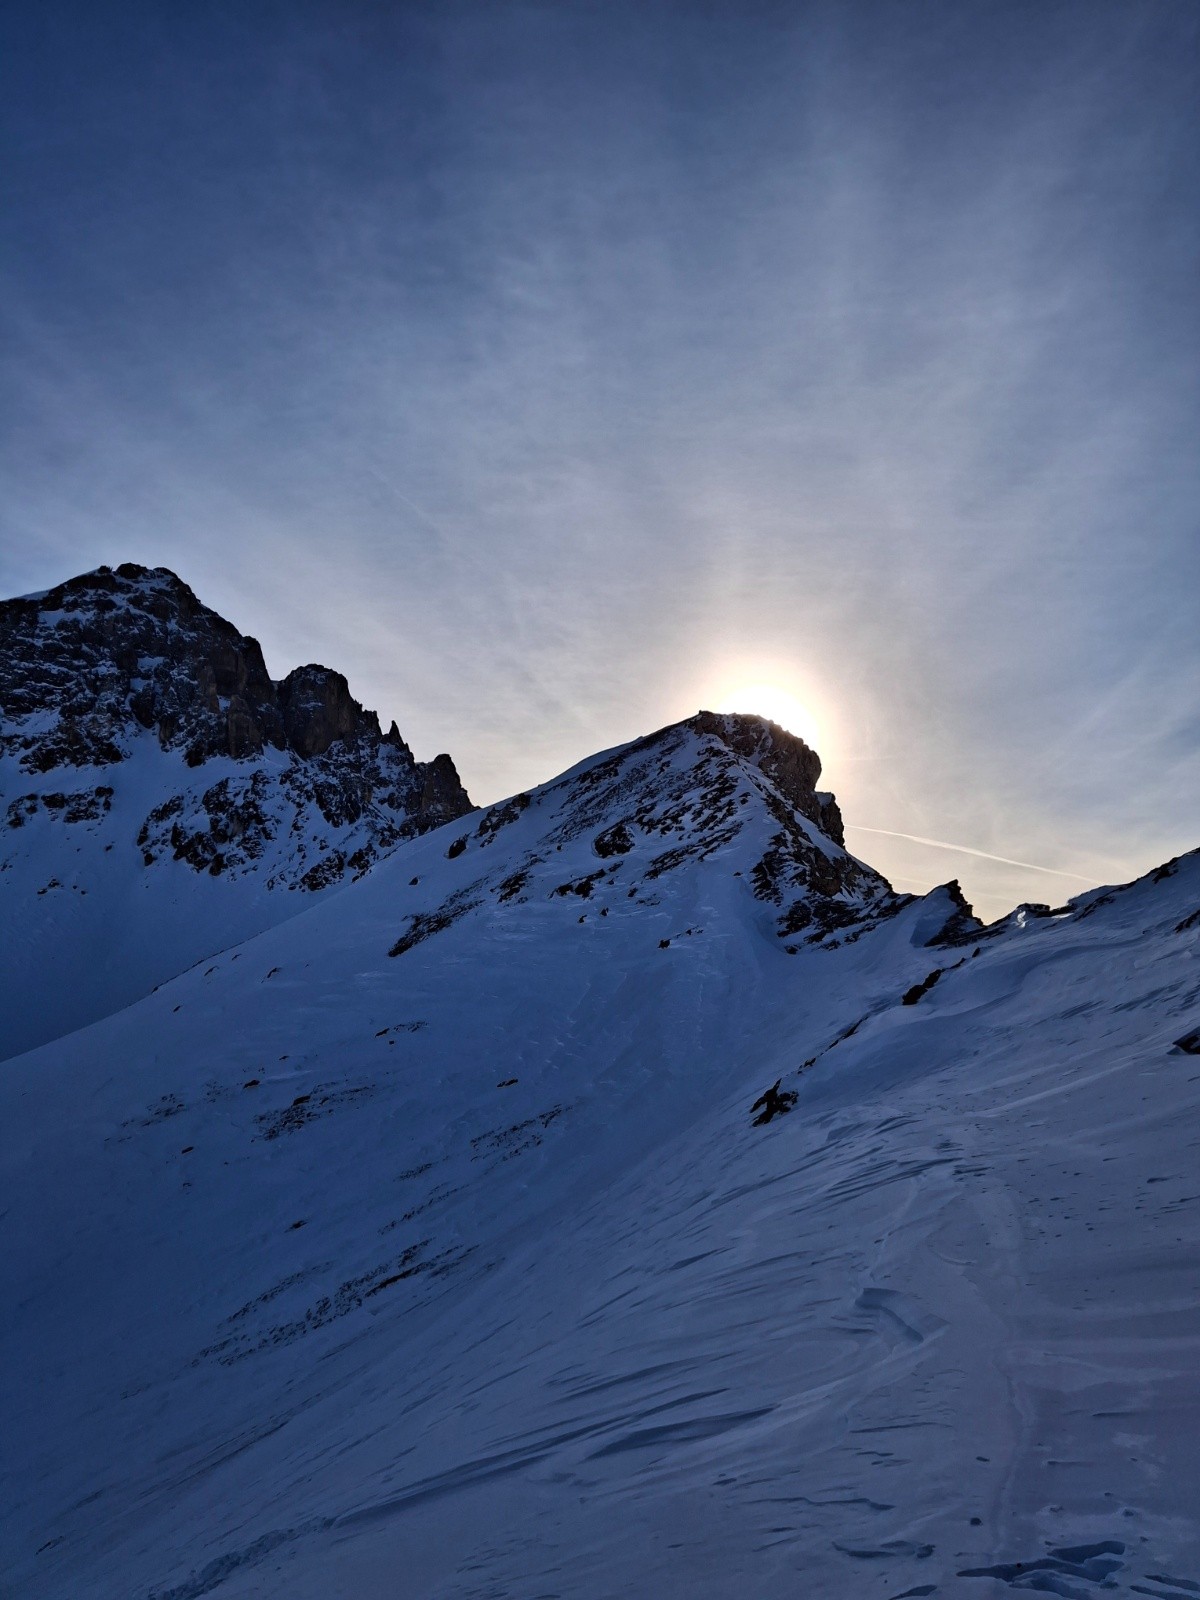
pixel 767 700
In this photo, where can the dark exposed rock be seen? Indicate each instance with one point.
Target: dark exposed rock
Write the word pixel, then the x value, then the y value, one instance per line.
pixel 501 816
pixel 918 990
pixel 83 805
pixel 243 733
pixel 815 885
pixel 614 841
pixel 583 888
pixel 796 918
pixel 773 1102
pixel 111 652
pixel 442 795
pixel 317 708
pixel 423 925
pixel 329 869
pixel 784 757
pixel 794 864
pixel 512 886
pixel 961 924
pixel 92 665
pixel 829 819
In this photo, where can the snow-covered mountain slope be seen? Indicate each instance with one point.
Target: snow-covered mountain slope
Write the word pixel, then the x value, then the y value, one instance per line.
pixel 161 797
pixel 427 1245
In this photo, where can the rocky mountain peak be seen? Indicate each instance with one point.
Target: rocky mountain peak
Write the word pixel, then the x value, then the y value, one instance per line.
pixel 714 793
pixel 790 764
pixel 115 651
pixel 141 738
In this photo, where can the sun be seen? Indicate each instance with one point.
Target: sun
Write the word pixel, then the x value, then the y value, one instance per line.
pixel 768 700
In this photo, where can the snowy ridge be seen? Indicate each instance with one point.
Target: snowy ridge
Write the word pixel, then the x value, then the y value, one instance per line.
pixel 427 1238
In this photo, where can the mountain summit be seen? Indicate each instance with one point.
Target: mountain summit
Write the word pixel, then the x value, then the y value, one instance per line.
pixel 87 665
pixel 143 743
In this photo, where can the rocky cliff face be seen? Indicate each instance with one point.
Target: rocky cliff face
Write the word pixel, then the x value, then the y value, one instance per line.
pixel 784 758
pixel 85 664
pixel 95 663
pixel 161 797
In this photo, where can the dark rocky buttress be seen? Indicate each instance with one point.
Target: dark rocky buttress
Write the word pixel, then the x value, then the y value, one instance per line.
pixel 783 757
pixel 92 666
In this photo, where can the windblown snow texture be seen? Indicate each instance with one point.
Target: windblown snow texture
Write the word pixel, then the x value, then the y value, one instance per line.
pixel 432 1242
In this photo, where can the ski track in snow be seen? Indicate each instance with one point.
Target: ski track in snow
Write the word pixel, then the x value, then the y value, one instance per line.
pixel 463 1272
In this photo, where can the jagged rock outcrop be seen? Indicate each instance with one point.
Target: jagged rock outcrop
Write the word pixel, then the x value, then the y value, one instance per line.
pixel 961 924
pixel 318 708
pixel 784 757
pixel 819 891
pixel 88 668
pixel 88 663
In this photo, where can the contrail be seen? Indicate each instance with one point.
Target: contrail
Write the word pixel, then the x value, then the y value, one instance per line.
pixel 432 522
pixel 966 850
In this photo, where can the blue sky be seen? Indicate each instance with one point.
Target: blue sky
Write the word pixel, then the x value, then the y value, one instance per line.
pixel 553 369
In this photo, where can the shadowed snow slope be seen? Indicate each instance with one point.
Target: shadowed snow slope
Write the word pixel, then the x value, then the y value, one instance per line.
pixel 424 1245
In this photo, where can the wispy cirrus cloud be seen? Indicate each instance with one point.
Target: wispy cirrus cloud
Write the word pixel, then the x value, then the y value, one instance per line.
pixel 542 366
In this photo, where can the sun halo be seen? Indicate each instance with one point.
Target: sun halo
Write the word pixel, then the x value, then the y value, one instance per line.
pixel 777 705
